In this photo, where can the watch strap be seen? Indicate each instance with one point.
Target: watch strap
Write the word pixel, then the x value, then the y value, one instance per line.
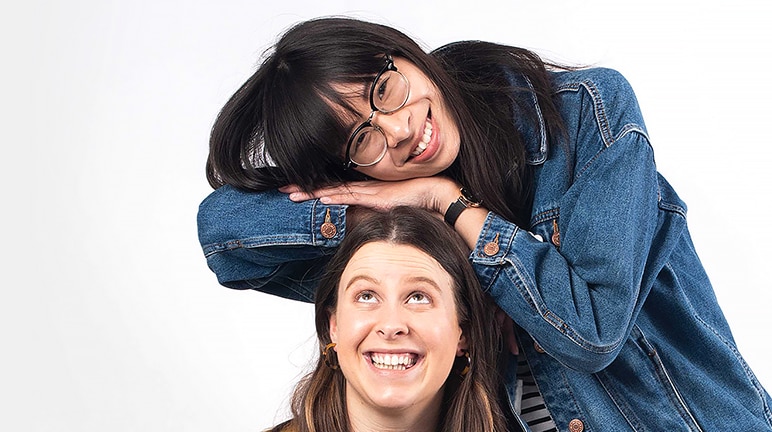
pixel 454 211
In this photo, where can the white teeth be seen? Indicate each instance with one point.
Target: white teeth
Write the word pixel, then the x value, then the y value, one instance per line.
pixel 424 140
pixel 392 361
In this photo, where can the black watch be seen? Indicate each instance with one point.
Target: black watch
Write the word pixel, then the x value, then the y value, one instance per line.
pixel 463 202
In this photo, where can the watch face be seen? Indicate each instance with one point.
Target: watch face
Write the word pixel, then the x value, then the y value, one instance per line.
pixel 470 199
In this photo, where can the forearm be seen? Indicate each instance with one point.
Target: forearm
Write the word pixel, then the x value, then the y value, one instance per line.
pixel 266 242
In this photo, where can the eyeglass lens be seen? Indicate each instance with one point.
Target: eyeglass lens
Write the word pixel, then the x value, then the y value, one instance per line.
pixel 389 93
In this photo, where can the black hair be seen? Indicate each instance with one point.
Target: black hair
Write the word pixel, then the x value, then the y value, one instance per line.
pixel 281 126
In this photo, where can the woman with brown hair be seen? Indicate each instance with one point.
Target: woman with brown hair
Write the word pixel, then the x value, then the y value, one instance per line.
pixel 406 336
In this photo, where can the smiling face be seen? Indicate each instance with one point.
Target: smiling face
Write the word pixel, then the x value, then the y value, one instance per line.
pixel 396 328
pixel 423 139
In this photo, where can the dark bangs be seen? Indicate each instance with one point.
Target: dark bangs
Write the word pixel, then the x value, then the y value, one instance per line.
pixel 307 121
pixel 288 124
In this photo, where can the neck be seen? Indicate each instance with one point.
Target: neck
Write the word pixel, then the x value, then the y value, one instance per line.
pixel 413 419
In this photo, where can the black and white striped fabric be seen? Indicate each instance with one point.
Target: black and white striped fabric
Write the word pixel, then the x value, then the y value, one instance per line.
pixel 528 401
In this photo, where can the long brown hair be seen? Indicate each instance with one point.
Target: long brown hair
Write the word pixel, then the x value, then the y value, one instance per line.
pixel 282 126
pixel 471 402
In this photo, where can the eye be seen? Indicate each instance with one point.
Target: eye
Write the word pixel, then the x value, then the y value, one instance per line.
pixel 382 89
pixel 361 140
pixel 365 297
pixel 418 298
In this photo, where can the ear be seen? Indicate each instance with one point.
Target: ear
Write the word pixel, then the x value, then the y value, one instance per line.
pixel 463 345
pixel 333 328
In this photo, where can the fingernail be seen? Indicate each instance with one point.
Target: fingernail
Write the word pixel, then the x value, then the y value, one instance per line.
pixel 325 200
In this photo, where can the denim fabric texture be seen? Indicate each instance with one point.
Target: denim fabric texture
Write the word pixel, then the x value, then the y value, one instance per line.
pixel 615 312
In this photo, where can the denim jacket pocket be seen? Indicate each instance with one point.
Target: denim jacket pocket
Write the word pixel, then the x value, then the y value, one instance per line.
pixel 639 384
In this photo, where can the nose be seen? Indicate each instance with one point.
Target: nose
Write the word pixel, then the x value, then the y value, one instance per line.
pixel 395 125
pixel 392 324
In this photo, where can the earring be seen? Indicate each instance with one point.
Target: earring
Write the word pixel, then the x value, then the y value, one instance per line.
pixel 329 359
pixel 468 364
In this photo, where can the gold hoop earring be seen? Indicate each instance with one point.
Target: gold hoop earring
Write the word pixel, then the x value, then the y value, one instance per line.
pixel 330 360
pixel 468 364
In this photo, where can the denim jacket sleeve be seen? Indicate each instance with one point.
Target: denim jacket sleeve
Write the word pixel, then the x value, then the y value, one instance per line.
pixel 264 241
pixel 574 282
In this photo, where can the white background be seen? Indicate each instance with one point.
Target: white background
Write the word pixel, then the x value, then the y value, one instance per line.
pixel 109 317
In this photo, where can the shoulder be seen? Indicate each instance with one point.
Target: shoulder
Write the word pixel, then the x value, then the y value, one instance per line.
pixel 607 93
pixel 605 79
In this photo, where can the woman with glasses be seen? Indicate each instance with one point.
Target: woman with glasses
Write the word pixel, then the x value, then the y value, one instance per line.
pixel 547 174
pixel 404 335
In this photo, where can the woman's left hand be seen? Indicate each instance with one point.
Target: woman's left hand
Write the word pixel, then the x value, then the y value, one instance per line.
pixel 432 193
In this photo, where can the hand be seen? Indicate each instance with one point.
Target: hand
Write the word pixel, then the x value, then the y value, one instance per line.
pixel 432 193
pixel 507 327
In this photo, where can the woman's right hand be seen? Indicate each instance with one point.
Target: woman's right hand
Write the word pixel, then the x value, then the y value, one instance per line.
pixel 431 193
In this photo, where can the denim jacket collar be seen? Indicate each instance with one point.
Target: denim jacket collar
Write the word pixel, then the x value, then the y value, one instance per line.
pixel 534 134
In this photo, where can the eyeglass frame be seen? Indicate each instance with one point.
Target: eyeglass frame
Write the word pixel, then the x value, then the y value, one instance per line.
pixel 389 66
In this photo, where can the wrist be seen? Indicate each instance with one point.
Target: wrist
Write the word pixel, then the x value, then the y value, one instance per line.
pixel 464 200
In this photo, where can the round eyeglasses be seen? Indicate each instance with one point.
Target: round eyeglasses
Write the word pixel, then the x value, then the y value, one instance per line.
pixel 388 93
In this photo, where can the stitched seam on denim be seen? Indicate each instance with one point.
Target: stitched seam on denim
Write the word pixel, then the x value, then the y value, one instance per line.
pixel 520 284
pixel 570 389
pixel 545 216
pixel 547 315
pixel 748 372
pixel 480 257
pixel 598 108
pixel 312 222
pixel 497 269
pixel 672 208
pixel 254 242
pixel 635 423
pixel 590 162
pixel 572 335
pixel 664 376
pixel 630 128
pixel 550 317
pixel 299 294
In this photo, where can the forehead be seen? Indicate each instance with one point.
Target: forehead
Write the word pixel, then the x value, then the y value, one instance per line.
pixel 394 261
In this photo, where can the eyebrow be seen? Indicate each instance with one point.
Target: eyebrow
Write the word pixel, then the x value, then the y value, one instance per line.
pixel 429 281
pixel 361 277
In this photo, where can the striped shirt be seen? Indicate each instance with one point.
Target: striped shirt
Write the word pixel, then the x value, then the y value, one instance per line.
pixel 528 401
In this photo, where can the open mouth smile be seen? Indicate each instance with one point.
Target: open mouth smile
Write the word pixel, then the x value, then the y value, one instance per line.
pixel 402 361
pixel 427 136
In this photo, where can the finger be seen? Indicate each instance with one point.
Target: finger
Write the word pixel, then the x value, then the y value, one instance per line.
pixel 301 196
pixel 290 188
pixel 357 199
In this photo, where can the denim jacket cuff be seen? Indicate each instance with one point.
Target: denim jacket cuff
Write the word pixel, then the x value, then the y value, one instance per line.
pixel 495 240
pixel 329 224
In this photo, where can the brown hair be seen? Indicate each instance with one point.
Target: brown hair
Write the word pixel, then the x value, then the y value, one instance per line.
pixel 471 402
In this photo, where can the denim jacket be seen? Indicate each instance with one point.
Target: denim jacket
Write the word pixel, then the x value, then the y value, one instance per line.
pixel 615 314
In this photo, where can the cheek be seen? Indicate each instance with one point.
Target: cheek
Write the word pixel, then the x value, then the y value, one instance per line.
pixel 352 329
pixel 446 338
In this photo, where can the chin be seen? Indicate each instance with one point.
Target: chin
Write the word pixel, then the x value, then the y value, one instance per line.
pixel 394 402
pixel 401 175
